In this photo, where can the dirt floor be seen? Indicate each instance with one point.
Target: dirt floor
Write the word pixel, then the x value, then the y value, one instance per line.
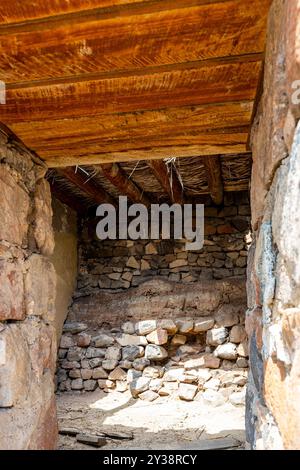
pixel 166 423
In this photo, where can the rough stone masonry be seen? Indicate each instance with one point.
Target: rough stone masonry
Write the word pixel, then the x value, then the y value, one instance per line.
pixel 273 285
pixel 188 359
pixel 27 293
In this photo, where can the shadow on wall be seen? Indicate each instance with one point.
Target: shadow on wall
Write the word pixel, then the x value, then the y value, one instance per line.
pixel 64 260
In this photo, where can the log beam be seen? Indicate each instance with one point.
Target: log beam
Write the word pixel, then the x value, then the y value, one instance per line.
pixel 214 176
pixel 92 189
pixel 117 176
pixel 168 179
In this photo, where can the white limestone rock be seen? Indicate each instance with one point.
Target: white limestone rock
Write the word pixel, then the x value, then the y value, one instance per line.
pixel 187 391
pixel 226 351
pixel 155 353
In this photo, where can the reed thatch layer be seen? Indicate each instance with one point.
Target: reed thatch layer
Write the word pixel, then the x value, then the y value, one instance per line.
pixel 236 172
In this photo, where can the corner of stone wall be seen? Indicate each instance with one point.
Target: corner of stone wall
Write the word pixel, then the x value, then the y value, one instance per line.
pixel 273 276
pixel 27 302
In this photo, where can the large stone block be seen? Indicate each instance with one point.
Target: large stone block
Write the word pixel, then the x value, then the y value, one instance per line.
pixel 265 258
pixel 281 396
pixel 45 434
pixel 41 340
pixel 42 222
pixel 268 145
pixel 15 366
pixel 256 366
pixel 286 217
pixel 14 208
pixel 11 290
pixel 31 423
pixel 40 287
pixel 292 27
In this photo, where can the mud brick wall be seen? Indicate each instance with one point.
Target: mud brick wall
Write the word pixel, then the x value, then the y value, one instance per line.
pixel 27 298
pixel 122 264
pixel 273 316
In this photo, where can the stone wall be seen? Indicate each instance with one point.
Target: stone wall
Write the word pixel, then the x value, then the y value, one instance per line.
pixel 187 359
pixel 121 264
pixel 195 301
pixel 64 260
pixel 273 316
pixel 27 303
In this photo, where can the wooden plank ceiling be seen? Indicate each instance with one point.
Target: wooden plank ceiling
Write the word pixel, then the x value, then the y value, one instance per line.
pixel 99 81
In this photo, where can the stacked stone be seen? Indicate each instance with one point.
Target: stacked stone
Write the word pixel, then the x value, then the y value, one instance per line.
pixel 184 358
pixel 121 264
pixel 221 257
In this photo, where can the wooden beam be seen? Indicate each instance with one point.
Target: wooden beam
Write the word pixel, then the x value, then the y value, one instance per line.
pixel 207 144
pixel 15 14
pixel 169 180
pixel 196 83
pixel 214 176
pixel 19 12
pixel 117 176
pixel 94 190
pixel 82 131
pixel 95 43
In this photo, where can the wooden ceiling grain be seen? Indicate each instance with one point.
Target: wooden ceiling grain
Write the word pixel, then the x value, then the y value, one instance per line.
pixel 99 81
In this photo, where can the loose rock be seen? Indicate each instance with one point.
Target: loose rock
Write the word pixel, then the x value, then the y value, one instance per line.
pixel 118 374
pixel 83 340
pixel 130 353
pixel 145 327
pixel 237 334
pixel 99 373
pixel 113 352
pixel 226 351
pixel 102 341
pixel 178 340
pixel 139 385
pixel 153 372
pixel 140 363
pixel 216 336
pixel 90 385
pixel 77 384
pixel 131 340
pixel 128 328
pixel 203 324
pixel 109 364
pixel 187 392
pixel 148 395
pixel 156 353
pixel 158 336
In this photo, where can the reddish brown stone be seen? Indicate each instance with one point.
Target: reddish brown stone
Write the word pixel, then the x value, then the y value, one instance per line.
pixel 11 291
pixel 292 22
pixel 268 145
pixel 42 224
pixel 209 229
pixel 226 228
pixel 291 327
pixel 46 432
pixel 42 346
pixel 14 208
pixel 15 370
pixel 40 278
pixel 281 392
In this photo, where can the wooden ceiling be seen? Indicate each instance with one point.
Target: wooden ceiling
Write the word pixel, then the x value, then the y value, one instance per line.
pixel 97 81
